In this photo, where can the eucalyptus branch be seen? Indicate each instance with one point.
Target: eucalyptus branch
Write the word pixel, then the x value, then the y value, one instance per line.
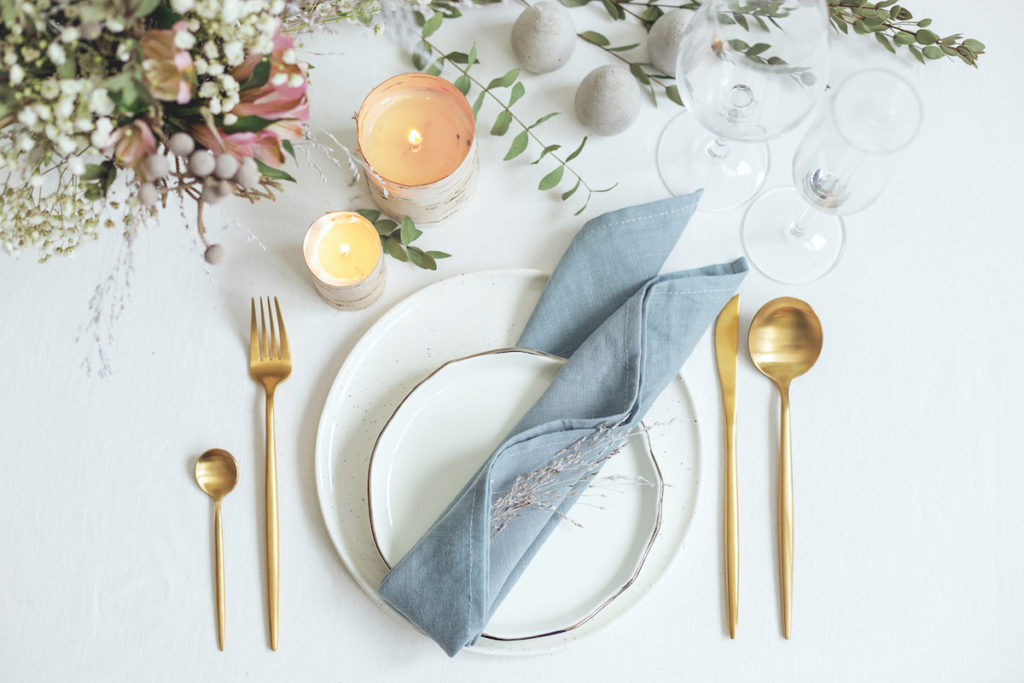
pixel 462 62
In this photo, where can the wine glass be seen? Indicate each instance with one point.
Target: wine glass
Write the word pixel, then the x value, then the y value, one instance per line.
pixel 796 235
pixel 747 72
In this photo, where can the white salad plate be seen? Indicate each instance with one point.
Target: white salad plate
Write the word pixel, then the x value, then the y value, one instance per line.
pixel 444 431
pixel 452 319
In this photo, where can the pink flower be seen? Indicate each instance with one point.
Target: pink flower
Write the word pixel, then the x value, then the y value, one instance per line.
pixel 264 145
pixel 133 143
pixel 283 96
pixel 168 69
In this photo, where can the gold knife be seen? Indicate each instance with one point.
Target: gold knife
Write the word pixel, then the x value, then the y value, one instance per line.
pixel 726 348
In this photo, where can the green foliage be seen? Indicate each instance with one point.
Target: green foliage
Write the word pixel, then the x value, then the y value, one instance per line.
pixel 397 239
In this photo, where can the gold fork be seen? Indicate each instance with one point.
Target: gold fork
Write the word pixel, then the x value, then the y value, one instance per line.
pixel 270 364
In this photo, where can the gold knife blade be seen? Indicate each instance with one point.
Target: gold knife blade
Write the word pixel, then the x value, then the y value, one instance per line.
pixel 727 329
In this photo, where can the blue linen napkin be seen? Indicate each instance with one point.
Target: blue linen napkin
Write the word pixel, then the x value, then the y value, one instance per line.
pixel 625 331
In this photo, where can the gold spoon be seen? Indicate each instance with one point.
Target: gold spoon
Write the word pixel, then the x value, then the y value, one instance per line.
pixel 217 474
pixel 785 341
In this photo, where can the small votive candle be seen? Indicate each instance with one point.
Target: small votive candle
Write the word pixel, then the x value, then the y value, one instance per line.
pixel 343 253
pixel 417 134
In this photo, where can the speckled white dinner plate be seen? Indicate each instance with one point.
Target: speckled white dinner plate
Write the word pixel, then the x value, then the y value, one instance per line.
pixel 456 318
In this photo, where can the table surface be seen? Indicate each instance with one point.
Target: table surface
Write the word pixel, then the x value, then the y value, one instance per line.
pixel 910 521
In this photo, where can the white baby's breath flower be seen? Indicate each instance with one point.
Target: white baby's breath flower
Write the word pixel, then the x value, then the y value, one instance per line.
pixel 288 56
pixel 202 66
pixel 100 102
pixel 114 25
pixel 277 6
pixel 72 86
pixel 184 40
pixel 56 54
pixel 69 35
pixel 76 165
pixel 234 52
pixel 16 74
pixel 208 89
pixel 230 119
pixel 100 137
pixel 65 145
pixel 182 6
pixel 49 88
pixel 215 107
pixel 83 125
pixel 124 52
pixel 28 117
pixel 279 79
pixel 296 81
pixel 210 50
pixel 215 69
pixel 229 11
pixel 10 58
pixel 30 54
pixel 65 108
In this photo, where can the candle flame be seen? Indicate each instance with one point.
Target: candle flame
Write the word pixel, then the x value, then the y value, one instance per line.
pixel 415 139
pixel 345 249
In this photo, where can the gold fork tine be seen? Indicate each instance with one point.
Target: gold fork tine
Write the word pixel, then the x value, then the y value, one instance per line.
pixel 254 340
pixel 285 352
pixel 275 350
pixel 264 343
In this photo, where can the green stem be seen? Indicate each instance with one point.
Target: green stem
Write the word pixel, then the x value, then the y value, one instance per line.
pixel 529 131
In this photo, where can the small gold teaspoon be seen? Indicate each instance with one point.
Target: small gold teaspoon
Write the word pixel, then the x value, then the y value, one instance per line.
pixel 217 474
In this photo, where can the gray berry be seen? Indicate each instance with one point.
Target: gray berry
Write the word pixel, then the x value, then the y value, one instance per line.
pixel 543 37
pixel 223 188
pixel 181 144
pixel 248 174
pixel 214 254
pixel 210 194
pixel 608 100
pixel 226 168
pixel 201 163
pixel 148 194
pixel 664 40
pixel 157 166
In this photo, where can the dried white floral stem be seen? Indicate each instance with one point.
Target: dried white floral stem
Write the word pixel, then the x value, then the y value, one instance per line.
pixel 571 473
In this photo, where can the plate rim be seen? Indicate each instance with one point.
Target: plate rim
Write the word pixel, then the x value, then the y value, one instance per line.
pixel 638 564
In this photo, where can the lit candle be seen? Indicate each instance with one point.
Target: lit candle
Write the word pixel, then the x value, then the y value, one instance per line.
pixel 344 255
pixel 418 137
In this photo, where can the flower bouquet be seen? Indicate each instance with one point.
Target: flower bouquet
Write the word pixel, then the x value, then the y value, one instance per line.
pixel 110 107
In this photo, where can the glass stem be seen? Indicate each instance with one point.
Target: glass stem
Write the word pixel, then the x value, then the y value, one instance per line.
pixel 718 149
pixel 798 228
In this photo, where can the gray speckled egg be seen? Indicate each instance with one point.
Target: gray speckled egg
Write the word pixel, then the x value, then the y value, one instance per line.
pixel 608 100
pixel 543 37
pixel 664 40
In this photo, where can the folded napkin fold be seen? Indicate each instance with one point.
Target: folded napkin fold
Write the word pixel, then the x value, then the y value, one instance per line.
pixel 625 331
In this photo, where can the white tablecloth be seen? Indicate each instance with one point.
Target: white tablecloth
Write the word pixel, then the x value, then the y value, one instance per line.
pixel 910 549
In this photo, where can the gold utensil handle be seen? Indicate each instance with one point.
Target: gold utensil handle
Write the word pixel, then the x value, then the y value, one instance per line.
pixel 219 553
pixel 786 518
pixel 273 551
pixel 732 542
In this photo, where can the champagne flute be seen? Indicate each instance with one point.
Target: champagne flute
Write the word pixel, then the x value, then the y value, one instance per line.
pixel 747 72
pixel 796 235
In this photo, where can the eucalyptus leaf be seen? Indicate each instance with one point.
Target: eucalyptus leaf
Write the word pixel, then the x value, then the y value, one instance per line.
pixel 925 37
pixel 518 90
pixel 432 24
pixel 571 191
pixel 501 123
pixel 477 103
pixel 552 179
pixel 542 119
pixel 386 227
pixel 273 173
pixel 439 254
pixel 422 259
pixel 369 214
pixel 672 92
pixel 547 150
pixel 933 52
pixel 576 152
pixel 504 81
pixel 519 144
pixel 395 248
pixel 463 84
pixel 409 232
pixel 595 38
